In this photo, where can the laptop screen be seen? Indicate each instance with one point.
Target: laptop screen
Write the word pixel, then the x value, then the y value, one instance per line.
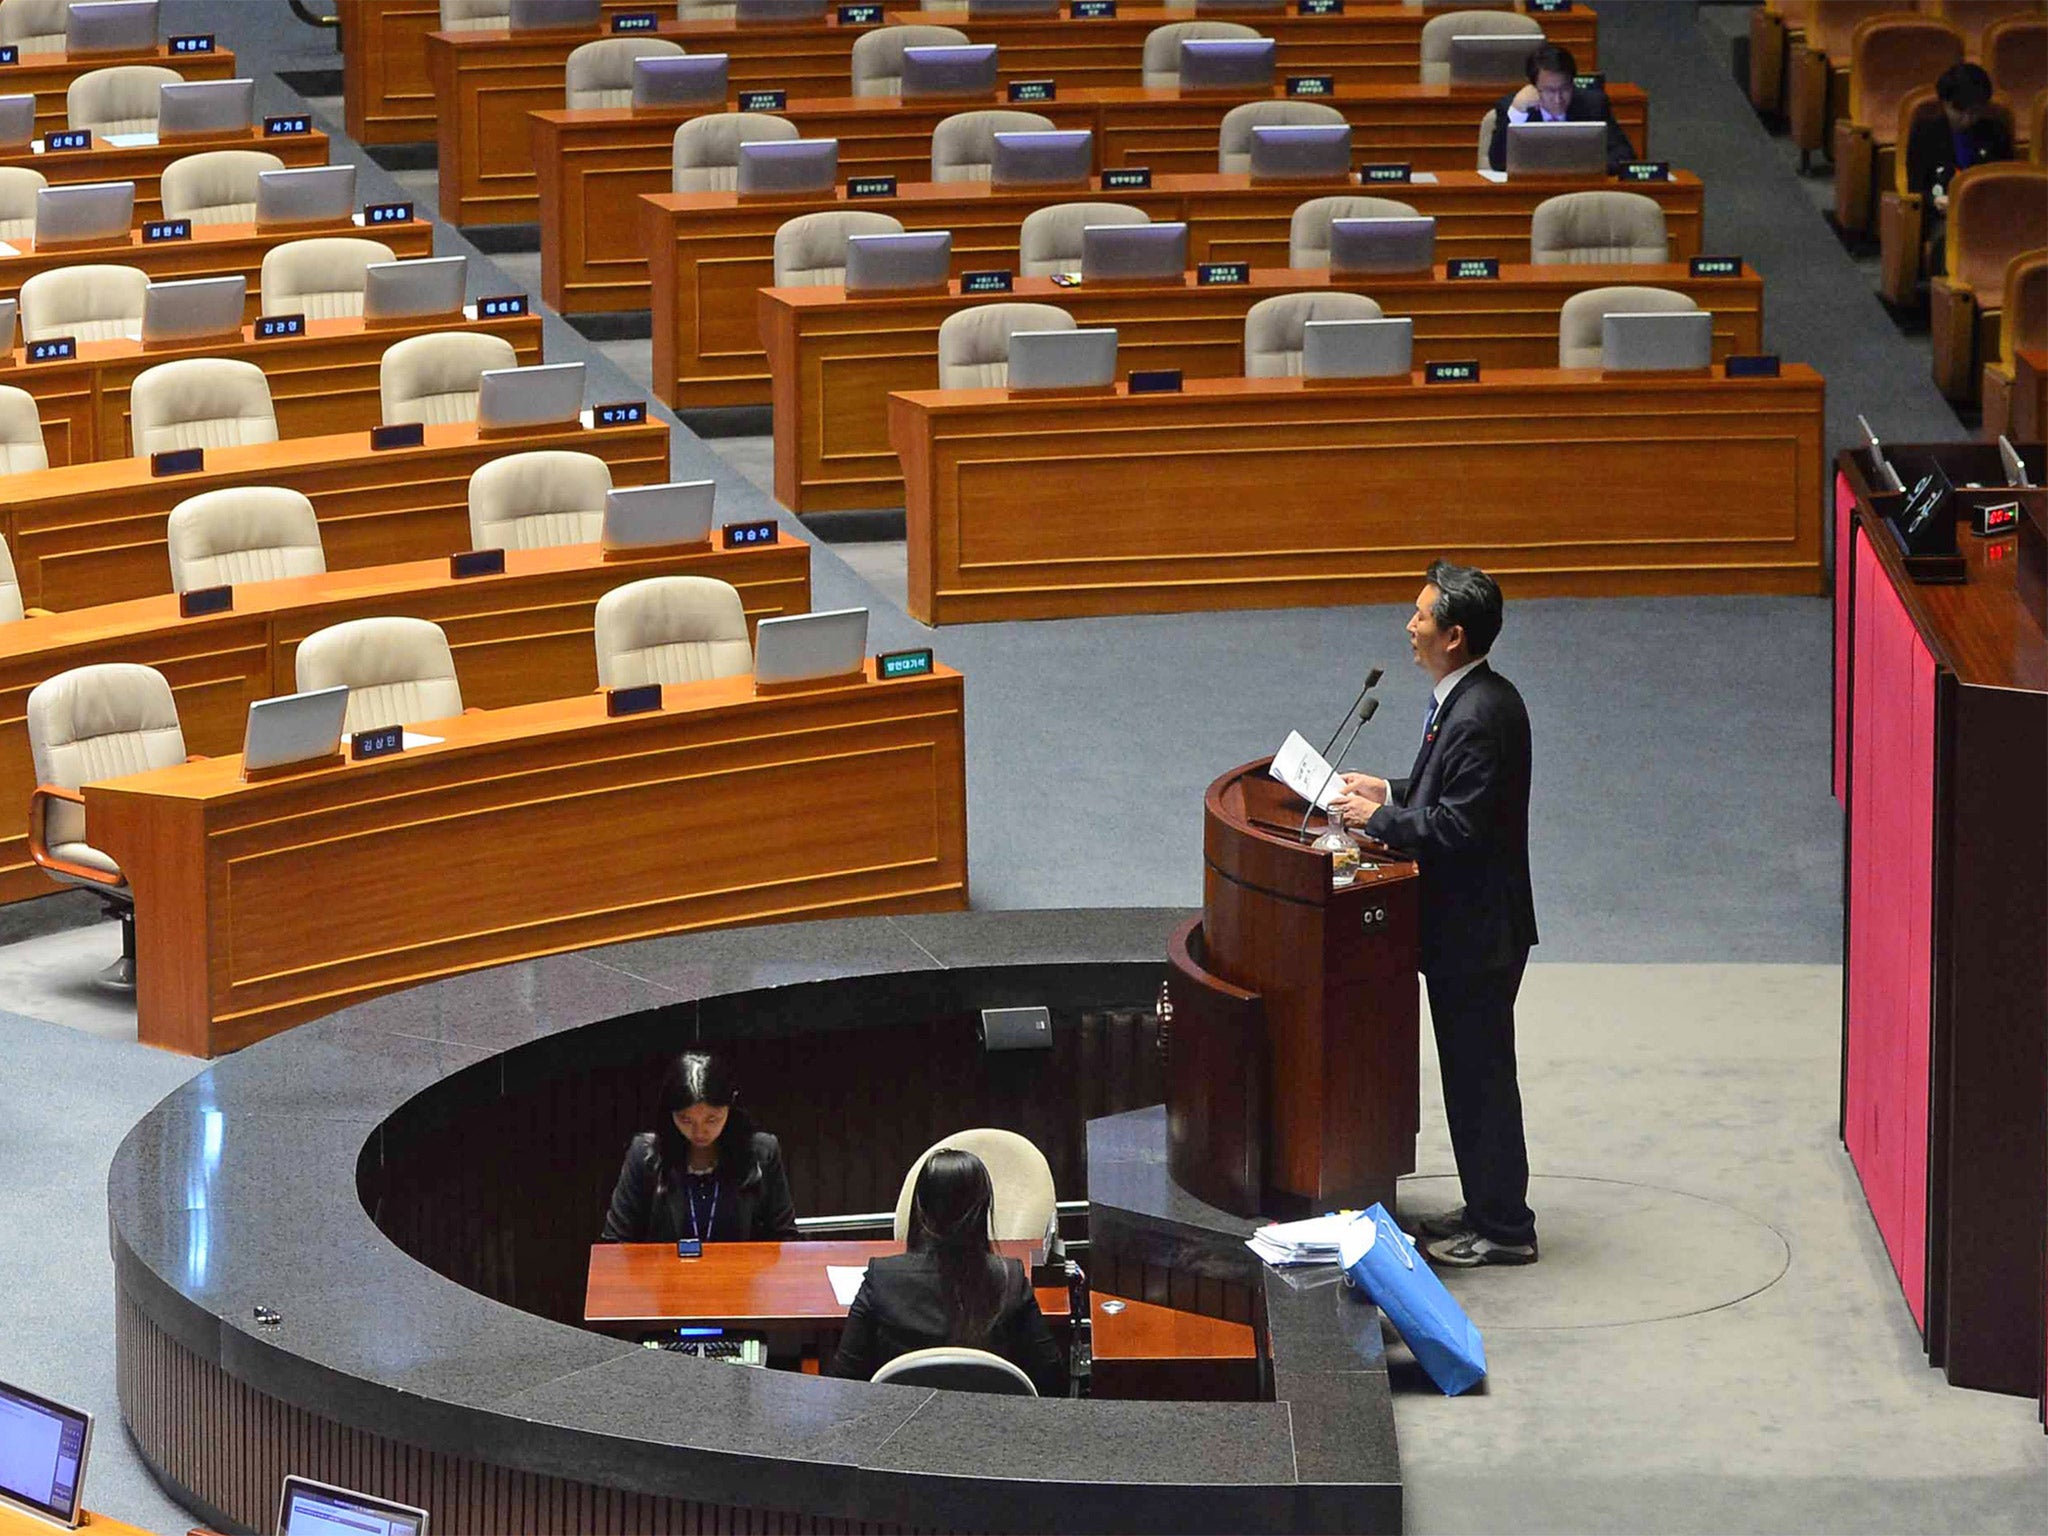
pixel 317 1509
pixel 43 1446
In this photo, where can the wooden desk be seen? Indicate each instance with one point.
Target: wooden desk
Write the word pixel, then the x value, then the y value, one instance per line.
pixel 15 1523
pixel 87 534
pixel 709 250
pixel 47 76
pixel 518 638
pixel 1147 1351
pixel 594 165
pixel 322 382
pixel 529 831
pixel 486 82
pixel 144 164
pixel 835 360
pixel 1256 493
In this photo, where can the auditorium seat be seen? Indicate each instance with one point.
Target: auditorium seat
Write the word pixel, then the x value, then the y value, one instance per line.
pixel 974 343
pixel 2016 54
pixel 538 500
pixel 1161 60
pixel 200 402
pixel 1773 27
pixel 18 188
pixel 1889 57
pixel 671 629
pixel 243 533
pixel 600 74
pixel 1597 228
pixel 705 155
pixel 1578 323
pixel 2037 128
pixel 1026 1207
pixel 437 378
pixel 964 145
pixel 94 302
pixel 957 1368
pixel 1234 142
pixel 21 433
pixel 321 278
pixel 398 671
pixel 810 249
pixel 1901 212
pixel 1438 31
pixel 475 15
pixel 877 58
pixel 121 99
pixel 1308 231
pixel 34 26
pixel 1049 240
pixel 1970 18
pixel 1817 69
pixel 1273 328
pixel 2025 324
pixel 1995 212
pixel 218 187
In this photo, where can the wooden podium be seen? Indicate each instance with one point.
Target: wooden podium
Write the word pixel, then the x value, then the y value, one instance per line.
pixel 1292 1057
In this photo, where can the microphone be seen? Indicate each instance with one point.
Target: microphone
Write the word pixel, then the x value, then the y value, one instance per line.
pixel 1372 681
pixel 1367 710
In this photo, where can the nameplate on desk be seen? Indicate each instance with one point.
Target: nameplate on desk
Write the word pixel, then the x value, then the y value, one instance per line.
pixel 1127 178
pixel 11 54
pixel 53 349
pixel 763 101
pixel 1211 274
pixel 860 15
pixel 871 186
pixel 894 664
pixel 177 461
pixel 503 307
pixel 1751 365
pixel 1549 7
pixel 1319 8
pixel 987 282
pixel 1990 519
pixel 1311 85
pixel 157 231
pixel 286 127
pixel 620 413
pixel 387 213
pixel 1715 266
pixel 1646 170
pixel 1386 173
pixel 1155 381
pixel 192 42
pixel 67 138
pixel 746 535
pixel 402 434
pixel 1093 10
pixel 201 601
pixel 1033 90
pixel 1473 267
pixel 636 21
pixel 476 562
pixel 638 700
pixel 1450 373
pixel 381 741
pixel 1591 81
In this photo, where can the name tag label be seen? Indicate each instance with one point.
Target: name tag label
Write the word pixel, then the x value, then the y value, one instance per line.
pixel 1473 267
pixel 636 21
pixel 1311 85
pixel 1127 178
pixel 1319 8
pixel 503 307
pixel 1715 266
pixel 11 54
pixel 894 664
pixel 381 741
pixel 860 15
pixel 273 327
pixel 1155 381
pixel 53 349
pixel 763 101
pixel 177 461
pixel 1751 365
pixel 476 562
pixel 746 535
pixel 1549 7
pixel 871 186
pixel 641 699
pixel 1450 373
pixel 1222 273
pixel 286 127
pixel 1646 170
pixel 1033 90
pixel 67 138
pixel 193 42
pixel 1385 174
pixel 1592 81
pixel 156 231
pixel 987 282
pixel 197 604
pixel 1093 10
pixel 387 213
pixel 620 413
pixel 404 434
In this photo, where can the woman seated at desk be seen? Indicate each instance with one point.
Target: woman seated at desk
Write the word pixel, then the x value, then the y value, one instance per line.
pixel 951 1287
pixel 704 1172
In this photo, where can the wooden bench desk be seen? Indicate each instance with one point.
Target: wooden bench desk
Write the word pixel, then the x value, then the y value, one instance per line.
pixel 529 831
pixel 144 164
pixel 518 638
pixel 1256 493
pixel 835 360
pixel 48 76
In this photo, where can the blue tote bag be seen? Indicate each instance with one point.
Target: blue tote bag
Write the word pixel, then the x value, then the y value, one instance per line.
pixel 1380 1259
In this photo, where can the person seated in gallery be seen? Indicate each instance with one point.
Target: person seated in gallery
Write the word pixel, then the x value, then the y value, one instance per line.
pixel 704 1171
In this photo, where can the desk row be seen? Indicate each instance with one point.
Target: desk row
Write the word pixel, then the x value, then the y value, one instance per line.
pixel 56 46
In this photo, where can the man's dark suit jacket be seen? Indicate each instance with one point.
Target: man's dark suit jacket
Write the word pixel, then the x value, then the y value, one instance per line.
pixel 901 1308
pixel 1588 106
pixel 1463 815
pixel 1931 149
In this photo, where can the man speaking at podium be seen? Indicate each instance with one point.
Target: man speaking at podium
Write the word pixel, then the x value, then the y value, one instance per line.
pixel 1463 815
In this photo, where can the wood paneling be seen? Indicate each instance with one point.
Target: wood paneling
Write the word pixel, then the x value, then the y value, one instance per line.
pixel 144 164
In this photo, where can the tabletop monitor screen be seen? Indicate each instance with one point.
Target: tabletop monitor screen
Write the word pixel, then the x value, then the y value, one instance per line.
pixel 1061 158
pixel 399 290
pixel 307 1508
pixel 680 79
pixel 315 194
pixel 560 15
pixel 1130 252
pixel 746 12
pixel 17 120
pixel 1225 7
pixel 294 728
pixel 111 26
pixel 1660 342
pixel 958 70
pixel 646 516
pixel 1302 152
pixel 919 261
pixel 194 309
pixel 787 167
pixel 978 9
pixel 1078 359
pixel 10 310
pixel 539 396
pixel 89 211
pixel 1226 63
pixel 805 647
pixel 1357 349
pixel 1557 149
pixel 1381 246
pixel 1492 60
pixel 43 1451
pixel 205 106
pixel 2015 466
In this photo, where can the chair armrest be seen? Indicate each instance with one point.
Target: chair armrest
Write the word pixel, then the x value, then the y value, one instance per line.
pixel 37 613
pixel 475 709
pixel 196 757
pixel 39 851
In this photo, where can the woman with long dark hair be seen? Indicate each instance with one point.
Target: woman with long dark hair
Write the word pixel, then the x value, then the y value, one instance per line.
pixel 703 1171
pixel 951 1287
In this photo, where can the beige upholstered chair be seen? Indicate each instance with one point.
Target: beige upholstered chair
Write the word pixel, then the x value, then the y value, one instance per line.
pixel 1578 323
pixel 878 55
pixel 600 74
pixel 21 433
pixel 1051 237
pixel 10 588
pixel 34 26
pixel 218 187
pixel 538 500
pixel 200 402
pixel 1161 60
pixel 1308 232
pixel 671 629
pixel 1025 1205
pixel 1597 228
pixel 322 278
pixel 810 249
pixel 957 1368
pixel 964 145
pixel 93 303
pixel 18 188
pixel 1234 143
pixel 1483 161
pixel 120 99
pixel 437 378
pixel 1273 328
pixel 397 671
pixel 706 152
pixel 974 343
pixel 475 15
pixel 243 533
pixel 1438 31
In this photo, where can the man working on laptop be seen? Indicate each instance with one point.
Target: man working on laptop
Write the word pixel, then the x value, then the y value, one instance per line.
pixel 1551 97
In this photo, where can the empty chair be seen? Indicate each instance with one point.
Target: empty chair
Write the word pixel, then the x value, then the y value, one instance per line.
pixel 2037 128
pixel 243 533
pixel 1772 26
pixel 218 187
pixel 964 145
pixel 2025 308
pixel 1308 232
pixel 600 74
pixel 1161 61
pixel 397 671
pixel 1598 228
pixel 810 249
pixel 1995 212
pixel 1234 143
pixel 1971 17
pixel 974 344
pixel 1273 328
pixel 437 378
pixel 1578 323
pixel 34 26
pixel 200 402
pixel 475 15
pixel 1817 69
pixel 706 152
pixel 21 433
pixel 18 188
pixel 878 55
pixel 1050 239
pixel 957 1368
pixel 321 278
pixel 93 302
pixel 1025 1204
pixel 671 629
pixel 538 500
pixel 120 99
pixel 1890 56
pixel 2015 50
pixel 10 588
pixel 1438 31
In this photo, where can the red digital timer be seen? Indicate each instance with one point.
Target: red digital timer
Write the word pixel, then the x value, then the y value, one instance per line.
pixel 1988 521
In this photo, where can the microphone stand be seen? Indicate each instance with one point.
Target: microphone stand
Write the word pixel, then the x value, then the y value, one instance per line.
pixel 1368 709
pixel 1372 681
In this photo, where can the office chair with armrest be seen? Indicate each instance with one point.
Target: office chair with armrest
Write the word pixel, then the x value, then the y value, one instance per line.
pixel 1598 229
pixel 1308 231
pixel 18 188
pixel 964 145
pixel 810 249
pixel 1234 141
pixel 2015 51
pixel 538 500
pixel 1995 212
pixel 1273 328
pixel 1026 1207
pixel 1438 31
pixel 1890 57
pixel 1902 243
pixel 600 74
pixel 122 98
pixel 671 629
pixel 200 402
pixel 217 187
pixel 243 533
pixel 475 15
pixel 98 301
pixel 957 1368
pixel 974 344
pixel 437 378
pixel 322 278
pixel 1578 323
pixel 877 58
pixel 1817 70
pixel 22 449
pixel 397 671
pixel 34 26
pixel 1050 238
pixel 2025 324
pixel 705 154
pixel 1160 68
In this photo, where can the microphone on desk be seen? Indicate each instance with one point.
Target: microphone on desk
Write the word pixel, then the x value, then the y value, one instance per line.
pixel 1372 681
pixel 1368 707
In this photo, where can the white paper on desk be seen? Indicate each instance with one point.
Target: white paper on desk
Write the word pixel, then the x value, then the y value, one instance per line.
pixel 127 140
pixel 1495 175
pixel 420 739
pixel 587 416
pixel 9 250
pixel 846 1281
pixel 1303 769
pixel 469 311
pixel 1423 178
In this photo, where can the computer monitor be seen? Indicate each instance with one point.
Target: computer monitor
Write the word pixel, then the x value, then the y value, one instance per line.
pixel 1060 158
pixel 917 262
pixel 313 194
pixel 651 516
pixel 43 1451
pixel 110 26
pixel 980 9
pixel 404 290
pixel 88 213
pixel 679 80
pixel 1302 152
pixel 964 69
pixel 1666 341
pixel 1226 63
pixel 1357 349
pixel 17 120
pixel 1133 252
pixel 307 1508
pixel 810 647
pixel 194 107
pixel 294 728
pixel 1079 359
pixel 1557 149
pixel 554 15
pixel 1226 7
pixel 1495 60
pixel 2015 466
pixel 193 309
pixel 752 12
pixel 1382 246
pixel 787 167
pixel 540 396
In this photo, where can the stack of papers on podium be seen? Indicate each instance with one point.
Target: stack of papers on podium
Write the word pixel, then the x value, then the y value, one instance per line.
pixel 1313 1241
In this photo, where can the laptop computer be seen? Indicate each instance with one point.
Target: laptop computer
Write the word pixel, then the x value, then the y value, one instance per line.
pixel 1382 246
pixel 978 9
pixel 1492 60
pixel 917 262
pixel 294 728
pixel 1079 359
pixel 403 290
pixel 680 79
pixel 540 396
pixel 17 120
pixel 1667 341
pixel 88 213
pixel 966 69
pixel 1038 158
pixel 313 194
pixel 1134 252
pixel 652 516
pixel 557 15
pixel 809 647
pixel 1557 149
pixel 1301 152
pixel 1226 63
pixel 307 1508
pixel 44 1447
pixel 193 309
pixel 786 167
pixel 195 107
pixel 110 26
pixel 748 12
pixel 1357 349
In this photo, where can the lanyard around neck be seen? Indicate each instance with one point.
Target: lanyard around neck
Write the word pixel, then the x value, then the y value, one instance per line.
pixel 701 1229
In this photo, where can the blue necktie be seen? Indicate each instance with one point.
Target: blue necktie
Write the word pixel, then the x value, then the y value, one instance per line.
pixel 1429 717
